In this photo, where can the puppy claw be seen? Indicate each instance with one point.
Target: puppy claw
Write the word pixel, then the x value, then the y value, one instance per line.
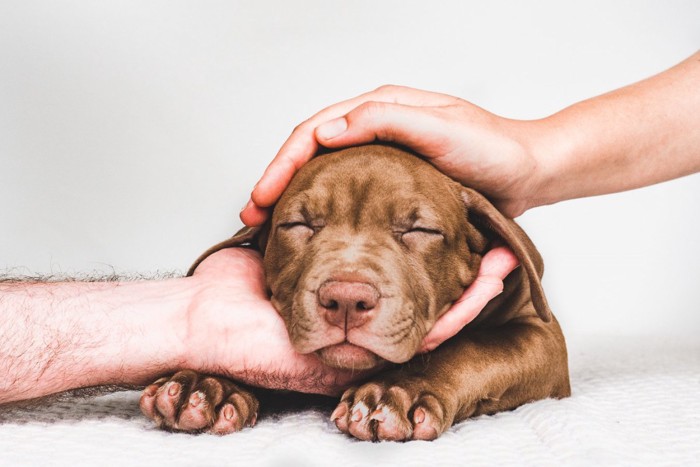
pixel 229 412
pixel 148 401
pixel 379 414
pixel 359 412
pixel 393 427
pixel 173 388
pixel 196 398
pixel 339 411
pixel 340 417
pixel 227 422
pixel 427 418
pixel 419 415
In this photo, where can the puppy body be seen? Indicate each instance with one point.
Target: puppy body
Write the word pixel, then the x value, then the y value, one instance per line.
pixel 366 248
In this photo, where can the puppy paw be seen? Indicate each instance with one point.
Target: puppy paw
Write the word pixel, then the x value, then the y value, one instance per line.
pixel 391 412
pixel 193 403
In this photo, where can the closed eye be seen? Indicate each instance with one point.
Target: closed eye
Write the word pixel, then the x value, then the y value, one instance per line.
pixel 291 225
pixel 420 237
pixel 424 230
pixel 299 228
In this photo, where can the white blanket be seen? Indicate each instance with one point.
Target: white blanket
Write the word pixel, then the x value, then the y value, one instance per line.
pixel 635 401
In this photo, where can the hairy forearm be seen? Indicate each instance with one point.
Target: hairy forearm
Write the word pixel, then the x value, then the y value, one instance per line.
pixel 642 134
pixel 66 335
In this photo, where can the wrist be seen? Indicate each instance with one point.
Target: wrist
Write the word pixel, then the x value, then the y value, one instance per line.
pixel 219 332
pixel 548 144
pixel 151 317
pixel 132 332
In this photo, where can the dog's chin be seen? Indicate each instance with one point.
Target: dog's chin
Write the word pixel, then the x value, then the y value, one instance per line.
pixel 348 356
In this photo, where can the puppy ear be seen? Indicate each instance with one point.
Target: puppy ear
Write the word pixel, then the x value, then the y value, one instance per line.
pixel 249 237
pixel 481 212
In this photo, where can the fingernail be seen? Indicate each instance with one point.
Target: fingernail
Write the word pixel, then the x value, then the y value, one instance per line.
pixel 330 130
pixel 247 205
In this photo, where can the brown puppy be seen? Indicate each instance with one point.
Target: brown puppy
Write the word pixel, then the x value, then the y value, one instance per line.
pixel 367 247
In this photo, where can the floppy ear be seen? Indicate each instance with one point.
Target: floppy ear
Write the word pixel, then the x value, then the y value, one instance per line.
pixel 250 237
pixel 486 216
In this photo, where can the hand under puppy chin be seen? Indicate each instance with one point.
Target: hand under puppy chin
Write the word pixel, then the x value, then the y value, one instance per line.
pixel 233 330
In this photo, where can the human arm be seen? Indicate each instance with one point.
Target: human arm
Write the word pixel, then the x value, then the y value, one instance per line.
pixel 639 135
pixel 66 335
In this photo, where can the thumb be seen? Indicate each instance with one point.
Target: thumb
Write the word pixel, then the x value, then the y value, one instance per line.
pixel 426 130
pixel 494 268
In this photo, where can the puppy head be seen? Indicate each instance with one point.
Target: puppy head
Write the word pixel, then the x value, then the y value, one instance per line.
pixel 367 247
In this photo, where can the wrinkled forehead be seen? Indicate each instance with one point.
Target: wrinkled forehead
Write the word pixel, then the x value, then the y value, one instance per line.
pixel 362 188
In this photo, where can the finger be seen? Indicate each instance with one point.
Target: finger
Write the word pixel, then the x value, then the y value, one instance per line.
pixel 495 267
pixel 295 152
pixel 427 130
pixel 302 145
pixel 499 261
pixel 462 313
pixel 252 215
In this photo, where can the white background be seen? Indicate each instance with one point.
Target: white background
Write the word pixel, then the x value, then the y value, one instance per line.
pixel 131 133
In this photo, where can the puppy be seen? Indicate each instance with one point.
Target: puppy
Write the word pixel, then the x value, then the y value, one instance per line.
pixel 365 250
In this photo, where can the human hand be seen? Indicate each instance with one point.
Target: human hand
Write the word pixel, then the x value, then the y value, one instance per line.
pixel 495 266
pixel 477 148
pixel 233 330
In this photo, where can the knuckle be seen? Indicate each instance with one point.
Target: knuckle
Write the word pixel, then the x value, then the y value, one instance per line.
pixel 372 109
pixel 302 127
pixel 387 89
pixel 393 92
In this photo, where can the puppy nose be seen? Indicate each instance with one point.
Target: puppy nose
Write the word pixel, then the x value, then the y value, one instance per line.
pixel 347 305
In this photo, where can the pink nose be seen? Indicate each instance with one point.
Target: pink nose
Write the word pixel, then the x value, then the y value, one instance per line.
pixel 347 305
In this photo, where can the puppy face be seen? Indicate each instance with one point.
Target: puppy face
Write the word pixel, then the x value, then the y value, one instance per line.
pixel 366 249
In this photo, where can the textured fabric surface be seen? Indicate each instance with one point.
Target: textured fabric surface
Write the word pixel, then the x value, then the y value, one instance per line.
pixel 635 401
